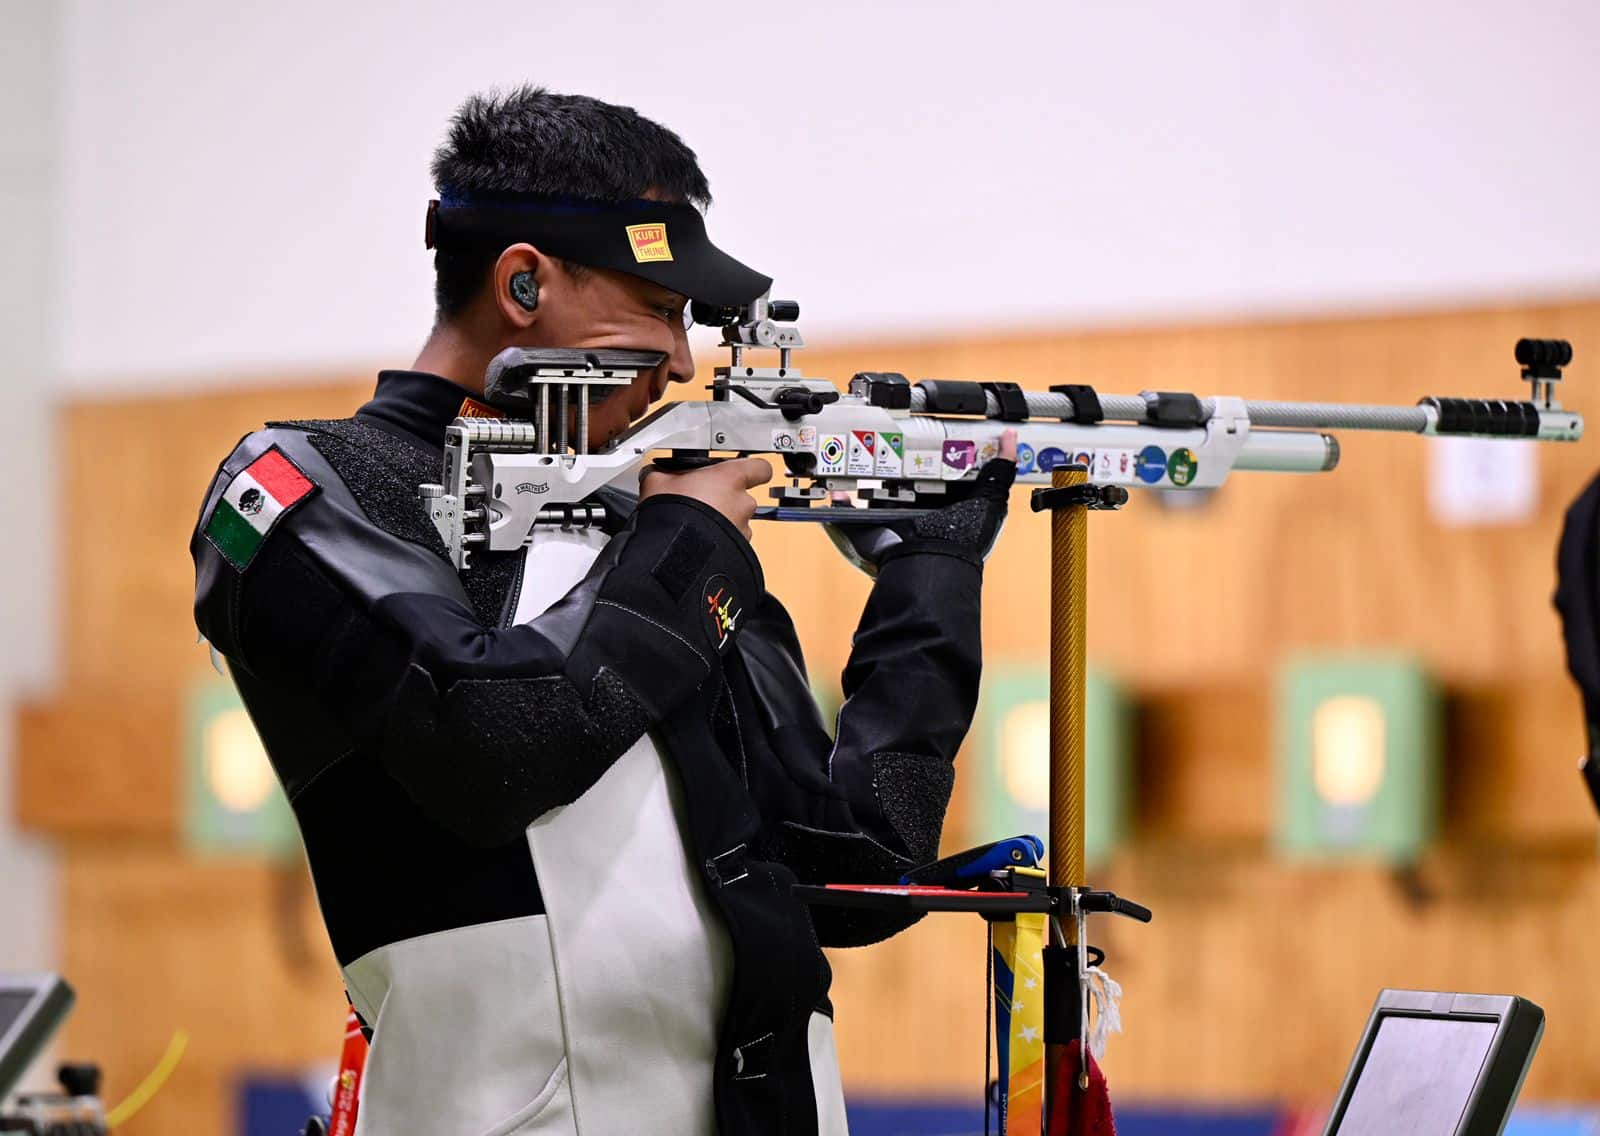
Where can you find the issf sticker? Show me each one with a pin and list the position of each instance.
(1024, 458)
(860, 461)
(958, 454)
(889, 457)
(1182, 467)
(830, 454)
(1152, 465)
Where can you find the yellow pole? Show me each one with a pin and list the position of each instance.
(1069, 540)
(1069, 561)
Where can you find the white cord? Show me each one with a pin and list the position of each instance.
(1107, 994)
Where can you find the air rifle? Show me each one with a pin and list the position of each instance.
(898, 447)
(903, 448)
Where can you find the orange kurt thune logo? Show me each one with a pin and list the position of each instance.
(649, 242)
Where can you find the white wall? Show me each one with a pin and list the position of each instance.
(244, 184)
(28, 134)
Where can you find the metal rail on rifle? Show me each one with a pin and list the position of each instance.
(897, 446)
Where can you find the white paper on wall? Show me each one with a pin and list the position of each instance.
(1482, 481)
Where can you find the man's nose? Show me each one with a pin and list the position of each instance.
(680, 364)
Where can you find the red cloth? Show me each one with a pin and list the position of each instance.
(1087, 1112)
(347, 1086)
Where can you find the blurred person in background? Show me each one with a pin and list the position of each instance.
(554, 804)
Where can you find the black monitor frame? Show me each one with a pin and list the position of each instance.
(1519, 1024)
(48, 1001)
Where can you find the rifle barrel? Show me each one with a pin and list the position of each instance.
(1555, 424)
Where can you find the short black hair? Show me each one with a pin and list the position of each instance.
(532, 140)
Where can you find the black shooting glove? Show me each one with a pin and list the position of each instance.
(966, 527)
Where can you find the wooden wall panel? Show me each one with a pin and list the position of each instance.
(107, 772)
(135, 471)
(1193, 610)
(232, 952)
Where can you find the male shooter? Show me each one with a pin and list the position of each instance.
(554, 804)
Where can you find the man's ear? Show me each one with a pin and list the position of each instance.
(521, 275)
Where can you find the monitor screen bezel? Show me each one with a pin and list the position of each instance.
(1519, 1024)
(50, 1001)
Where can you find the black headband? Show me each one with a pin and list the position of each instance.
(662, 242)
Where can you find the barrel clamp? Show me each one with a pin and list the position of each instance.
(1088, 495)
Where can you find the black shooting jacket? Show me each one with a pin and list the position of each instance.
(417, 732)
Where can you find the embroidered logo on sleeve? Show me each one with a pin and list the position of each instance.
(257, 498)
(722, 611)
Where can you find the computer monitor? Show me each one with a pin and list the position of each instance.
(1437, 1064)
(32, 1006)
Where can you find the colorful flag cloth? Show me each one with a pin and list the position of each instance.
(1075, 1111)
(255, 500)
(1019, 1021)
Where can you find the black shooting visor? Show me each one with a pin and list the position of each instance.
(661, 242)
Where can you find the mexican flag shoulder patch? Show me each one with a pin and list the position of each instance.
(259, 496)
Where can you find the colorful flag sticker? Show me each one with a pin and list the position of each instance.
(860, 461)
(257, 498)
(1182, 466)
(889, 455)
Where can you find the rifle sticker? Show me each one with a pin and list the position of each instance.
(808, 439)
(890, 455)
(1024, 458)
(784, 441)
(860, 463)
(1050, 457)
(1152, 465)
(1114, 467)
(988, 450)
(922, 463)
(958, 454)
(1182, 467)
(830, 455)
